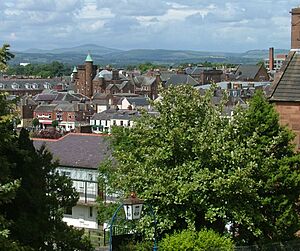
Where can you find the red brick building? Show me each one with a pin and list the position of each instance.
(83, 76)
(89, 80)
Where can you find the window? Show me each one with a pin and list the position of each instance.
(114, 122)
(121, 122)
(128, 122)
(91, 212)
(68, 210)
(66, 173)
(90, 177)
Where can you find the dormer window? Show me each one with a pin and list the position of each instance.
(35, 86)
(15, 85)
(27, 86)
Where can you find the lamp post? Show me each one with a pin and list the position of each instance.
(133, 209)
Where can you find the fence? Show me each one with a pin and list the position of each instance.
(274, 246)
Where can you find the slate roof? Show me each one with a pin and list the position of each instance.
(247, 71)
(100, 96)
(116, 114)
(45, 108)
(111, 86)
(138, 101)
(165, 75)
(44, 97)
(143, 80)
(66, 97)
(77, 149)
(197, 70)
(286, 86)
(66, 107)
(179, 79)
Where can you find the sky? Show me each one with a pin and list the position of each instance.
(210, 25)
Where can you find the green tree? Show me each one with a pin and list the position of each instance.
(40, 200)
(5, 56)
(54, 123)
(8, 185)
(35, 122)
(199, 168)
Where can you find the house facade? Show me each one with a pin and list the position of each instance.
(104, 121)
(79, 157)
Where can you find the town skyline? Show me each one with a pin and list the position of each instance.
(233, 26)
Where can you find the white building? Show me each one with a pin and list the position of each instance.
(80, 156)
(102, 122)
(134, 103)
(278, 62)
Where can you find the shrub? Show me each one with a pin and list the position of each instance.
(205, 240)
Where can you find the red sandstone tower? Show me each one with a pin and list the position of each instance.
(295, 29)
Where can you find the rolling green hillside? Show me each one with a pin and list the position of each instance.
(103, 55)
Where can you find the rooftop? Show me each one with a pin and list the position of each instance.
(77, 149)
(286, 86)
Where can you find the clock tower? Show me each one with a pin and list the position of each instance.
(295, 29)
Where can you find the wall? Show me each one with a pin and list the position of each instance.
(84, 214)
(262, 75)
(82, 218)
(289, 114)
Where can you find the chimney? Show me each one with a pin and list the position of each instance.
(271, 59)
(295, 29)
(115, 74)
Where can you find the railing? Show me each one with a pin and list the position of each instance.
(88, 191)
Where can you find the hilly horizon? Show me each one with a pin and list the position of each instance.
(105, 55)
(84, 49)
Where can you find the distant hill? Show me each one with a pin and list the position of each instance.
(262, 53)
(82, 49)
(103, 55)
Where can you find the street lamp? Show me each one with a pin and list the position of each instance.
(133, 209)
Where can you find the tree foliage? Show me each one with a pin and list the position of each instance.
(205, 240)
(55, 69)
(200, 168)
(5, 56)
(40, 200)
(55, 123)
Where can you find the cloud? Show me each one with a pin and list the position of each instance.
(134, 7)
(232, 25)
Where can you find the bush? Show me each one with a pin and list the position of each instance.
(205, 240)
(137, 246)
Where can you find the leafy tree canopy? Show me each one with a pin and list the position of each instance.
(55, 69)
(200, 168)
(5, 55)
